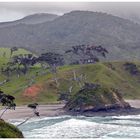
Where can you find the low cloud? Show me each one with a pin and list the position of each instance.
(16, 10)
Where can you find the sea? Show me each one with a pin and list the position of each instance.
(81, 127)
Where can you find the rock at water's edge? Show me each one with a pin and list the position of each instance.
(93, 97)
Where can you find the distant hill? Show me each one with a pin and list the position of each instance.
(38, 18)
(120, 36)
(31, 19)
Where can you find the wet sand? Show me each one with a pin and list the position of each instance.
(57, 109)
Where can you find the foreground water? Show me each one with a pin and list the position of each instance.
(82, 127)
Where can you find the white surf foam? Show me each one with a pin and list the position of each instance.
(83, 127)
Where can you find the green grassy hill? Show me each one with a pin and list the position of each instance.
(109, 74)
(5, 54)
(38, 85)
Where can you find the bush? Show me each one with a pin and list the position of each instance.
(9, 131)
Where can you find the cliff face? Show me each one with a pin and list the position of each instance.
(93, 97)
(9, 131)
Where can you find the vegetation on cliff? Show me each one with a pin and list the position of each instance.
(94, 97)
(9, 131)
(7, 102)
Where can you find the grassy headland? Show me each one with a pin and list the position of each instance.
(39, 86)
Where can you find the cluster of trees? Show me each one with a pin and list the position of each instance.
(87, 53)
(52, 59)
(20, 64)
(24, 61)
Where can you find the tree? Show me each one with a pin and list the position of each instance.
(7, 101)
(8, 69)
(24, 61)
(13, 49)
(53, 60)
(86, 53)
(35, 112)
(34, 108)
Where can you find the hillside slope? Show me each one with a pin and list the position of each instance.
(39, 85)
(9, 131)
(120, 36)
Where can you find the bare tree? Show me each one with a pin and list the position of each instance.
(35, 113)
(13, 49)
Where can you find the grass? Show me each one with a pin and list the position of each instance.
(103, 74)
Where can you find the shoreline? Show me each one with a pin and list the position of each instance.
(22, 112)
(52, 110)
(113, 112)
(134, 110)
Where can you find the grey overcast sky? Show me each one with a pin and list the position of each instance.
(15, 10)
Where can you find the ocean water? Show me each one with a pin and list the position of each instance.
(81, 127)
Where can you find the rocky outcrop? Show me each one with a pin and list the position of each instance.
(94, 97)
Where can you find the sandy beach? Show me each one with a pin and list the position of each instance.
(52, 110)
(134, 103)
(24, 111)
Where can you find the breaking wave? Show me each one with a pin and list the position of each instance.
(82, 127)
